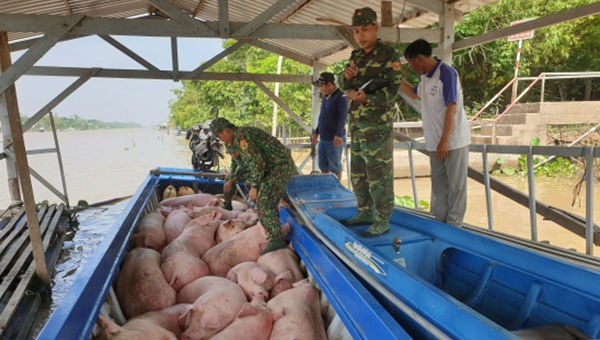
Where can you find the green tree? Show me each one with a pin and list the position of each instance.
(241, 102)
(569, 46)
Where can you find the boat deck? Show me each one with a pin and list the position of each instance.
(20, 290)
(448, 274)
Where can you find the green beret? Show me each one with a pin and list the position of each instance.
(219, 125)
(364, 16)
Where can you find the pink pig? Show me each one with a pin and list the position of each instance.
(301, 309)
(150, 232)
(215, 307)
(279, 262)
(225, 214)
(141, 286)
(196, 237)
(243, 247)
(162, 324)
(256, 281)
(253, 322)
(249, 216)
(229, 228)
(194, 289)
(175, 222)
(181, 268)
(196, 200)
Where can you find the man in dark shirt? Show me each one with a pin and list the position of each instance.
(331, 131)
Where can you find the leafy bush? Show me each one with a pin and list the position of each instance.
(558, 166)
(408, 202)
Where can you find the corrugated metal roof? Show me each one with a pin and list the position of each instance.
(405, 14)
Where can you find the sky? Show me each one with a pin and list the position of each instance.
(122, 100)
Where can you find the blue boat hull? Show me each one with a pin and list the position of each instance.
(446, 282)
(74, 318)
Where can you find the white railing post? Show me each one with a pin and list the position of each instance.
(543, 90)
(589, 201)
(531, 185)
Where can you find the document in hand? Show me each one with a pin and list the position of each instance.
(374, 85)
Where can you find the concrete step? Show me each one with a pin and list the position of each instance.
(501, 130)
(481, 139)
(514, 118)
(508, 140)
(525, 107)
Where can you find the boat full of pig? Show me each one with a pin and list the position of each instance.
(185, 268)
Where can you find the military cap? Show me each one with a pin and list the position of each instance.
(364, 16)
(219, 125)
(324, 78)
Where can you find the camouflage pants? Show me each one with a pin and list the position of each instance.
(270, 191)
(371, 157)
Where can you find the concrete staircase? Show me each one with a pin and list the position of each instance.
(525, 121)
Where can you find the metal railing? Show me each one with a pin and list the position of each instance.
(588, 153)
(542, 78)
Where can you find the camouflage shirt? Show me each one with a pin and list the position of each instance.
(238, 170)
(381, 64)
(261, 153)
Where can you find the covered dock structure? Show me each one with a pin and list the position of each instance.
(312, 32)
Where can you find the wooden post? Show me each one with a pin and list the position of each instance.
(11, 166)
(16, 131)
(447, 30)
(387, 19)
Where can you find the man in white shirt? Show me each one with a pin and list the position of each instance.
(447, 135)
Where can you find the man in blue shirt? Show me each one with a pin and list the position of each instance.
(331, 130)
(447, 135)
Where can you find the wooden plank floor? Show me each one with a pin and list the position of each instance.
(17, 268)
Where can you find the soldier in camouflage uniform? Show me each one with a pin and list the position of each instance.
(370, 122)
(270, 166)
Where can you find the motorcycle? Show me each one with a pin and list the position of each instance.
(207, 149)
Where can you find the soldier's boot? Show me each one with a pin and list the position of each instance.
(364, 217)
(376, 229)
(274, 245)
(227, 205)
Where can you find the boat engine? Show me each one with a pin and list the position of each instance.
(206, 148)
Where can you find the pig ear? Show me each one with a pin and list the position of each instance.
(107, 325)
(232, 276)
(301, 283)
(216, 215)
(247, 310)
(287, 275)
(187, 316)
(165, 210)
(189, 210)
(215, 202)
(258, 275)
(262, 245)
(278, 314)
